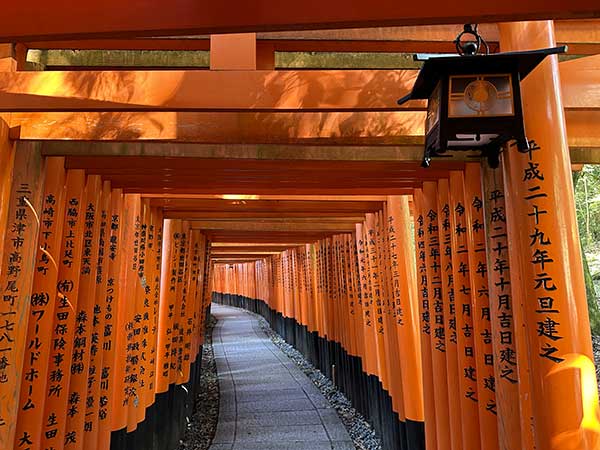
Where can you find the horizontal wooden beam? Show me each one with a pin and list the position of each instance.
(248, 254)
(288, 238)
(302, 221)
(168, 199)
(400, 128)
(144, 174)
(132, 165)
(55, 49)
(178, 90)
(265, 190)
(246, 245)
(251, 227)
(256, 249)
(335, 128)
(566, 31)
(204, 215)
(234, 151)
(580, 80)
(143, 44)
(43, 20)
(582, 37)
(266, 91)
(228, 261)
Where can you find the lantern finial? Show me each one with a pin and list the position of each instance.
(469, 41)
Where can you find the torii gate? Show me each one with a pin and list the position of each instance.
(149, 129)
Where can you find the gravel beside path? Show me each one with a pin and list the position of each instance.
(203, 423)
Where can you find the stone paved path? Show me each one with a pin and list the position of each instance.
(267, 403)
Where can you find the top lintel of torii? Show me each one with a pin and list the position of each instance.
(52, 20)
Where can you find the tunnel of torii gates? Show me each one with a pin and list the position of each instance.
(448, 303)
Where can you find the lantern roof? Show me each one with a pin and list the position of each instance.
(436, 67)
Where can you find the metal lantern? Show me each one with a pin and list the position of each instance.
(474, 101)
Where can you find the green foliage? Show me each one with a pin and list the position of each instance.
(587, 200)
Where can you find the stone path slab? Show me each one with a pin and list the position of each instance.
(266, 402)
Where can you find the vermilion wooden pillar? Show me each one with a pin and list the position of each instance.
(425, 321)
(111, 319)
(33, 389)
(436, 308)
(79, 363)
(564, 389)
(404, 290)
(448, 298)
(370, 361)
(512, 381)
(91, 428)
(465, 315)
(480, 295)
(63, 333)
(20, 238)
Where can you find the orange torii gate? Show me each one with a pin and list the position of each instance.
(494, 256)
(469, 334)
(84, 235)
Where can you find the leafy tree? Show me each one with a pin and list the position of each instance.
(587, 199)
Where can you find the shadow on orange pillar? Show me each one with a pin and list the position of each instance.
(425, 323)
(405, 302)
(43, 298)
(563, 389)
(20, 240)
(389, 316)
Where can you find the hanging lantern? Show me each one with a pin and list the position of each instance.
(474, 100)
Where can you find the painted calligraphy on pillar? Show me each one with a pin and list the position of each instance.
(435, 281)
(498, 259)
(422, 274)
(364, 280)
(465, 313)
(108, 351)
(447, 275)
(377, 275)
(481, 302)
(18, 232)
(396, 278)
(541, 258)
(59, 402)
(97, 325)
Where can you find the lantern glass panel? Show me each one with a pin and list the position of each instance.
(433, 108)
(480, 96)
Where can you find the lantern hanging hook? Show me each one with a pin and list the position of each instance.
(469, 42)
